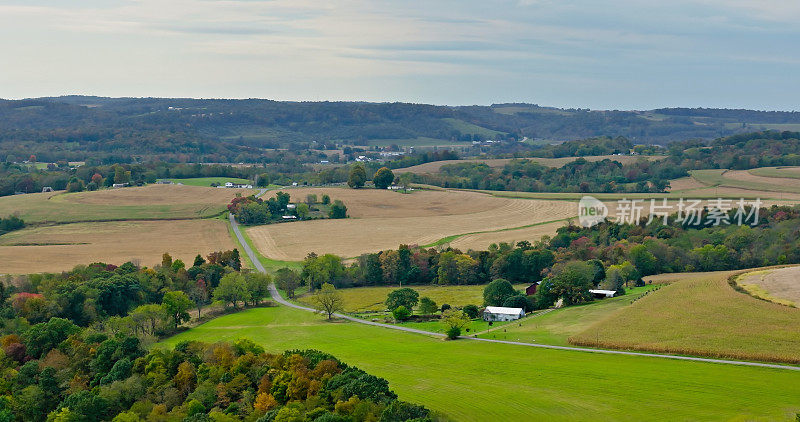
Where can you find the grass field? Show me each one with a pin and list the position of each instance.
(207, 181)
(780, 285)
(470, 380)
(701, 314)
(61, 247)
(436, 166)
(777, 172)
(744, 179)
(136, 203)
(382, 219)
(556, 327)
(362, 299)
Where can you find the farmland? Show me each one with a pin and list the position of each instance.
(556, 327)
(208, 181)
(701, 314)
(382, 220)
(525, 383)
(780, 285)
(743, 179)
(782, 172)
(436, 166)
(372, 298)
(150, 202)
(61, 247)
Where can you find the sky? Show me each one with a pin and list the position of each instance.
(616, 54)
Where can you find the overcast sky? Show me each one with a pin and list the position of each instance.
(621, 54)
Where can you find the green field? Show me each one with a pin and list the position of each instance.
(466, 127)
(363, 299)
(207, 181)
(556, 327)
(471, 380)
(37, 208)
(701, 314)
(779, 172)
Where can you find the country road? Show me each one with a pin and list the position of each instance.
(276, 296)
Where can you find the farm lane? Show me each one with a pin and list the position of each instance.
(278, 298)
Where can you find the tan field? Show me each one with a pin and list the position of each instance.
(780, 285)
(383, 220)
(481, 241)
(61, 247)
(436, 166)
(134, 203)
(701, 314)
(685, 183)
(780, 184)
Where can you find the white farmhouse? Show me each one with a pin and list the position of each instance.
(499, 313)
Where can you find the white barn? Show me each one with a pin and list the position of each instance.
(600, 294)
(499, 313)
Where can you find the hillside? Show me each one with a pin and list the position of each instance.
(216, 130)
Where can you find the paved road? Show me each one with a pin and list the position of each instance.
(278, 298)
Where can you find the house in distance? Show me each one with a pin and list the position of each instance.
(500, 313)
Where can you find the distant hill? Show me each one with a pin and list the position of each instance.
(176, 129)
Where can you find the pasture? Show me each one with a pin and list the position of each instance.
(61, 247)
(701, 314)
(743, 179)
(780, 285)
(362, 299)
(779, 172)
(557, 326)
(436, 166)
(151, 202)
(472, 380)
(381, 219)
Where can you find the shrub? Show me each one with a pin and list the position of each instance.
(401, 313)
(453, 333)
(472, 311)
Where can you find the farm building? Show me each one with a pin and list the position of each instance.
(531, 290)
(47, 189)
(499, 313)
(238, 185)
(600, 294)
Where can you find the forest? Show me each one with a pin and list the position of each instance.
(126, 130)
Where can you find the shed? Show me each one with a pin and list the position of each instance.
(600, 294)
(531, 290)
(500, 313)
(47, 189)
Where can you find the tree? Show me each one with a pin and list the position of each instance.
(232, 288)
(338, 210)
(496, 292)
(383, 178)
(176, 304)
(644, 261)
(518, 301)
(311, 199)
(401, 313)
(472, 311)
(326, 199)
(302, 211)
(287, 280)
(42, 337)
(75, 185)
(402, 297)
(327, 300)
(427, 306)
(405, 180)
(358, 177)
(573, 281)
(97, 178)
(454, 320)
(257, 286)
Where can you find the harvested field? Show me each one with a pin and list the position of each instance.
(684, 184)
(436, 166)
(481, 241)
(61, 247)
(780, 285)
(701, 314)
(135, 203)
(371, 203)
(743, 179)
(419, 218)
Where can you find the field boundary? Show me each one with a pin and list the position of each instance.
(276, 296)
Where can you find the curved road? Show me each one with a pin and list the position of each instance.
(278, 298)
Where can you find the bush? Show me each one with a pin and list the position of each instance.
(401, 313)
(472, 311)
(453, 332)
